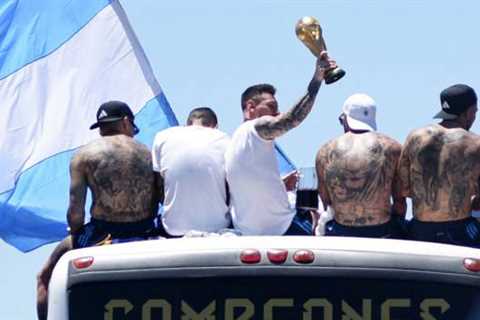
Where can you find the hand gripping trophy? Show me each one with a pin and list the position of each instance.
(308, 30)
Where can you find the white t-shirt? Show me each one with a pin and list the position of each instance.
(191, 161)
(259, 198)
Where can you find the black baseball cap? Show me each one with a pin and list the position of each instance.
(114, 111)
(455, 100)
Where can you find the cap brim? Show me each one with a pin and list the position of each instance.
(445, 116)
(98, 123)
(359, 125)
(135, 128)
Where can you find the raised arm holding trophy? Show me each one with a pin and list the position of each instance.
(308, 30)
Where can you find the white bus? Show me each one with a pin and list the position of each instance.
(290, 277)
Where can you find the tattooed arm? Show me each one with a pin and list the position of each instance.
(475, 203)
(270, 128)
(475, 200)
(403, 170)
(159, 191)
(78, 193)
(320, 168)
(399, 205)
(159, 183)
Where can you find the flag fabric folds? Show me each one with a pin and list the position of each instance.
(59, 60)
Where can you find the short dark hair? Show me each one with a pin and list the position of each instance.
(256, 90)
(207, 117)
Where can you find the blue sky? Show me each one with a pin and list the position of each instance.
(206, 53)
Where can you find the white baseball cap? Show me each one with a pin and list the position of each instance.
(360, 111)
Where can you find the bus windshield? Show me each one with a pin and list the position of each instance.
(273, 297)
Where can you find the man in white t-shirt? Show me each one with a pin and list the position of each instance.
(259, 196)
(190, 160)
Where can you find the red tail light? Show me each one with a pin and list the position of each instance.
(83, 262)
(471, 264)
(304, 256)
(277, 256)
(250, 256)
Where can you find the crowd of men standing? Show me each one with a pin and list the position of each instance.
(208, 182)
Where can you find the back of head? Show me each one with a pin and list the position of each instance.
(359, 112)
(456, 100)
(256, 90)
(110, 116)
(202, 116)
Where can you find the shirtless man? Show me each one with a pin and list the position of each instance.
(357, 176)
(118, 171)
(440, 171)
(259, 196)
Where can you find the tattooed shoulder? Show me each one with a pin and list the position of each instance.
(415, 140)
(142, 150)
(325, 150)
(84, 155)
(77, 158)
(358, 174)
(393, 148)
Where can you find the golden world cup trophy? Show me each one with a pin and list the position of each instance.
(308, 30)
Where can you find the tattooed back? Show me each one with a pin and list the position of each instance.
(356, 175)
(119, 173)
(439, 170)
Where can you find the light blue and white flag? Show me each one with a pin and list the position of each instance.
(285, 165)
(59, 60)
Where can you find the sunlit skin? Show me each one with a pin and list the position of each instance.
(130, 196)
(357, 178)
(439, 169)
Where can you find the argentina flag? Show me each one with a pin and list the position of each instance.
(59, 60)
(285, 165)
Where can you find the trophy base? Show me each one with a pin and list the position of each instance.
(334, 75)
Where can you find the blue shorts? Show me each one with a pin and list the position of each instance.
(465, 232)
(100, 232)
(392, 229)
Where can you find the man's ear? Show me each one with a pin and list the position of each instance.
(249, 110)
(125, 125)
(125, 121)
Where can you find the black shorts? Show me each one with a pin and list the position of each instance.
(465, 232)
(392, 229)
(100, 232)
